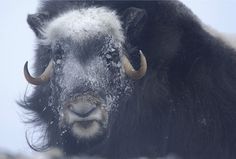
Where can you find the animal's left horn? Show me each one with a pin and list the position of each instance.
(44, 77)
(130, 71)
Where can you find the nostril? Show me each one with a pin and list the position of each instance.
(83, 114)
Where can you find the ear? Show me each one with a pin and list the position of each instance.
(134, 21)
(36, 22)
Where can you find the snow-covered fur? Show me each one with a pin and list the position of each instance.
(82, 24)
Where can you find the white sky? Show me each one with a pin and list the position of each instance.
(17, 44)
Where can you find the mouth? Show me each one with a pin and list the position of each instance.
(87, 129)
(85, 117)
(85, 124)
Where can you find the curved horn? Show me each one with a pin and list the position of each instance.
(130, 71)
(44, 77)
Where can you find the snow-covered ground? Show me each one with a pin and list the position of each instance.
(56, 154)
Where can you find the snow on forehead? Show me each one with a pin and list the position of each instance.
(83, 24)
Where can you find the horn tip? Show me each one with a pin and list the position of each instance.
(26, 67)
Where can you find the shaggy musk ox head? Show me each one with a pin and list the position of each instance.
(84, 71)
(95, 93)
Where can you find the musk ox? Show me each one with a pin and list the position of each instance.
(123, 79)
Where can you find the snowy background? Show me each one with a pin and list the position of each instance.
(17, 46)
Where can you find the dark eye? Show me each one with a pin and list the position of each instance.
(58, 52)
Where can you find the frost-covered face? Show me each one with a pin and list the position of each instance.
(88, 78)
(89, 82)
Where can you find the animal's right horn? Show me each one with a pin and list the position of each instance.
(44, 77)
